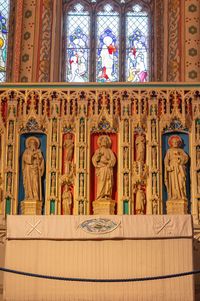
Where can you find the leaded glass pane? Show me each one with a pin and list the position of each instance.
(4, 18)
(137, 44)
(78, 40)
(107, 68)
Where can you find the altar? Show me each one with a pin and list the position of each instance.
(99, 247)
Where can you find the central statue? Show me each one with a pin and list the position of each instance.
(104, 160)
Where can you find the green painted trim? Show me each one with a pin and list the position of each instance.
(52, 207)
(8, 205)
(125, 207)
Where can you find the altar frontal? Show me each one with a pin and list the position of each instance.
(99, 247)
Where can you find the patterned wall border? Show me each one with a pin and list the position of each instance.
(11, 44)
(192, 40)
(27, 50)
(173, 72)
(43, 72)
(159, 41)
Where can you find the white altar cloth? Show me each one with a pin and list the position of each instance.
(72, 246)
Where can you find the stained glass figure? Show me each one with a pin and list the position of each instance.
(137, 42)
(107, 68)
(77, 39)
(4, 17)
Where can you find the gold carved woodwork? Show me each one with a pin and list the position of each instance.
(137, 116)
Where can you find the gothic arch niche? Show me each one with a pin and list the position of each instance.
(119, 46)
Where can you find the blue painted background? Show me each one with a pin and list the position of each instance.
(42, 138)
(185, 147)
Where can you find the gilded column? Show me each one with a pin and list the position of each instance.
(124, 191)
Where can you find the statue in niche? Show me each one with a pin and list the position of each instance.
(140, 148)
(153, 130)
(126, 184)
(69, 147)
(33, 169)
(9, 182)
(53, 157)
(175, 169)
(154, 206)
(81, 208)
(67, 200)
(140, 200)
(82, 131)
(54, 130)
(81, 157)
(126, 131)
(154, 157)
(125, 157)
(81, 184)
(10, 156)
(53, 183)
(198, 157)
(154, 184)
(11, 130)
(198, 182)
(104, 160)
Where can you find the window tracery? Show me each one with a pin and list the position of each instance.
(107, 41)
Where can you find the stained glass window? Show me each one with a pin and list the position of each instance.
(78, 41)
(4, 17)
(107, 68)
(137, 40)
(107, 41)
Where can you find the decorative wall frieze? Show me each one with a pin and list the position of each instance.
(45, 41)
(173, 73)
(192, 40)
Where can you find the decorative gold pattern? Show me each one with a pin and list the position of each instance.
(174, 36)
(69, 117)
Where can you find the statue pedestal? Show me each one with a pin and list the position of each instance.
(103, 206)
(31, 207)
(177, 207)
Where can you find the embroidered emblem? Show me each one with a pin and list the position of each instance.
(99, 225)
(33, 228)
(163, 226)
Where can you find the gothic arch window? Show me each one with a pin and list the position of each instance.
(107, 41)
(4, 20)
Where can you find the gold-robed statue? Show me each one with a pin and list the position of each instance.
(33, 169)
(140, 200)
(175, 170)
(104, 160)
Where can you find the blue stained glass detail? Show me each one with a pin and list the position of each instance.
(77, 58)
(4, 16)
(137, 45)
